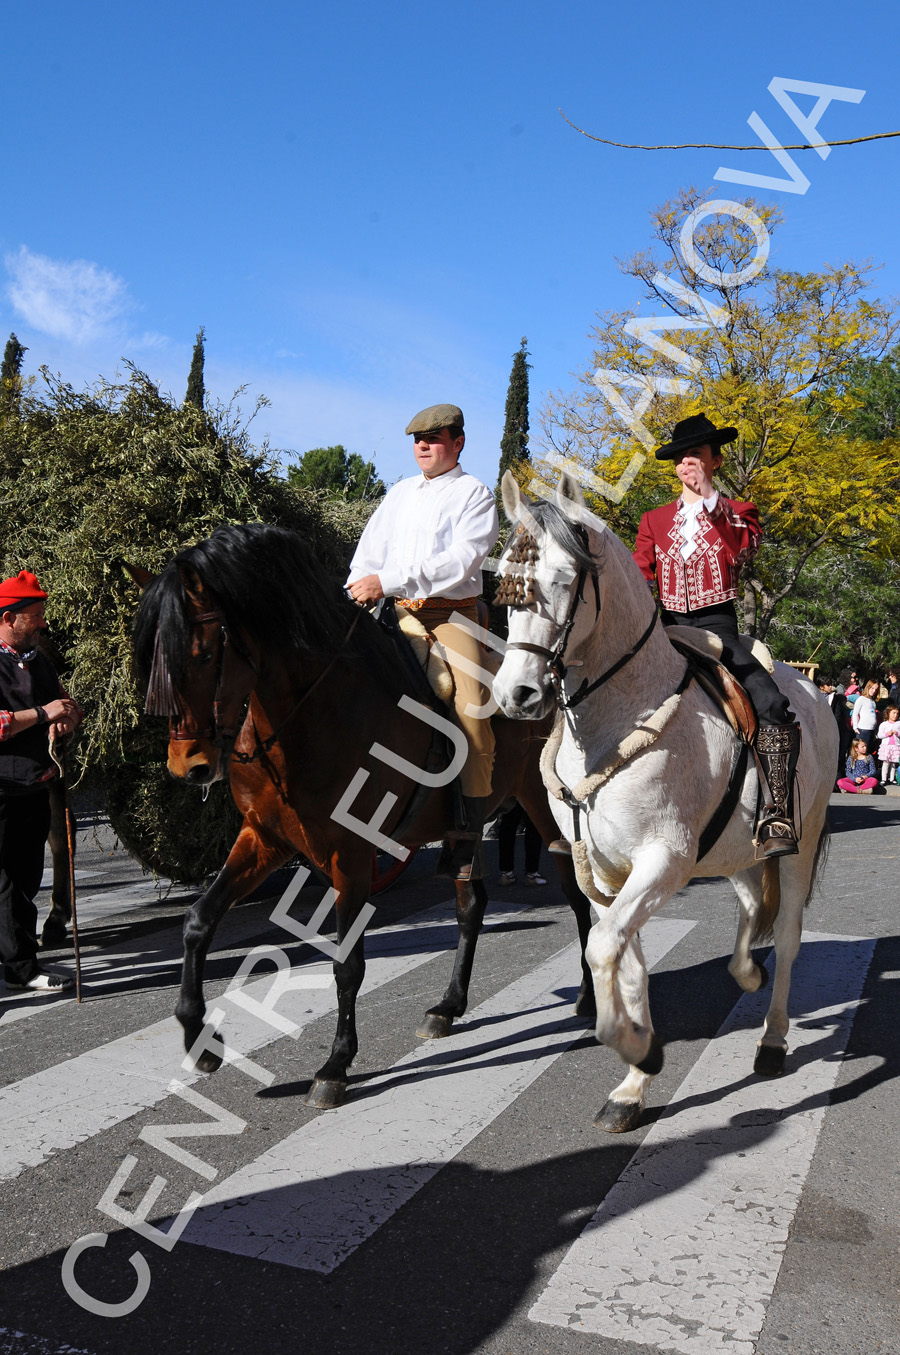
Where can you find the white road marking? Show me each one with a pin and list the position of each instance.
(684, 1252)
(52, 1110)
(47, 877)
(312, 1199)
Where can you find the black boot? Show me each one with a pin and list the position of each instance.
(461, 856)
(777, 751)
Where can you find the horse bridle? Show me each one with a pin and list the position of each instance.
(555, 657)
(223, 737)
(220, 735)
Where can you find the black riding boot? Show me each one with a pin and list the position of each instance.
(461, 855)
(777, 749)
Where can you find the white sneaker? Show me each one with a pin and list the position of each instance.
(507, 877)
(46, 981)
(534, 878)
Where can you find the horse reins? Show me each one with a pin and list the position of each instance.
(266, 745)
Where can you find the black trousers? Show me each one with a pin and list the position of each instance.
(772, 706)
(24, 825)
(506, 840)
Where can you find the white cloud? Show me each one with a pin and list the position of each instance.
(77, 301)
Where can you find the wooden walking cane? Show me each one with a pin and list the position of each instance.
(58, 753)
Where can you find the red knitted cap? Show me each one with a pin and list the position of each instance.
(20, 591)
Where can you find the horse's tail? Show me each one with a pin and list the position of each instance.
(771, 887)
(771, 902)
(820, 859)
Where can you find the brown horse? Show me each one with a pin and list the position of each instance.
(251, 616)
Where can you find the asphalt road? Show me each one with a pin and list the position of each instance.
(462, 1200)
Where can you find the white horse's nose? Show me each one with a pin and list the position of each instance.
(524, 701)
(527, 699)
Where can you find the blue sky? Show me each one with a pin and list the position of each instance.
(368, 205)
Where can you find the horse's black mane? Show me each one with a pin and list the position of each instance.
(267, 583)
(551, 519)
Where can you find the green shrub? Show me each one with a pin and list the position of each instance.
(89, 479)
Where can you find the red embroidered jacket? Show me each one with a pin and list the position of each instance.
(726, 539)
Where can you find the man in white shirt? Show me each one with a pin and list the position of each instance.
(424, 546)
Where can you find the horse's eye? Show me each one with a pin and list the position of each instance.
(204, 656)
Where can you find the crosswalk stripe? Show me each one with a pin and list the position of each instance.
(313, 1198)
(685, 1250)
(55, 1109)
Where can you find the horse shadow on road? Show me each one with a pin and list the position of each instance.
(457, 1264)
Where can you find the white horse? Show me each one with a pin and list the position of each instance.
(647, 768)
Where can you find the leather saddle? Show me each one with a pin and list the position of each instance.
(702, 650)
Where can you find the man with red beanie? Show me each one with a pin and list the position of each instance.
(33, 707)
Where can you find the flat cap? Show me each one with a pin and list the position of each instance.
(435, 416)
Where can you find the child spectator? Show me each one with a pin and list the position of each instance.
(889, 748)
(861, 777)
(864, 718)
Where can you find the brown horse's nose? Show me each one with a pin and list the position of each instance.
(198, 774)
(197, 763)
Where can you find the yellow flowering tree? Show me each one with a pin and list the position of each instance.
(777, 354)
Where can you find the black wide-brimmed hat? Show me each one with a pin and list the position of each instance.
(697, 431)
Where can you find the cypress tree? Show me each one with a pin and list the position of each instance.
(196, 391)
(11, 372)
(514, 443)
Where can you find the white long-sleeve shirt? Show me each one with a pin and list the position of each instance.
(428, 538)
(863, 715)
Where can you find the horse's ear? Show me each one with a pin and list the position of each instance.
(512, 496)
(568, 493)
(138, 574)
(194, 587)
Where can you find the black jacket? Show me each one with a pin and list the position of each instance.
(25, 758)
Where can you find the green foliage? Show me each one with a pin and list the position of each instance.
(514, 443)
(844, 610)
(117, 472)
(196, 391)
(874, 385)
(11, 374)
(335, 471)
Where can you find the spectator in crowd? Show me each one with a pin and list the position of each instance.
(846, 692)
(861, 777)
(33, 709)
(889, 747)
(506, 838)
(864, 716)
(893, 695)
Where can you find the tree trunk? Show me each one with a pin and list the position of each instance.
(750, 605)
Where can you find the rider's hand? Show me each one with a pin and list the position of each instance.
(692, 474)
(367, 589)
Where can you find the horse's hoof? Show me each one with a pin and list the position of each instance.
(208, 1062)
(53, 935)
(769, 1061)
(652, 1062)
(619, 1117)
(586, 1005)
(763, 977)
(326, 1094)
(435, 1026)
